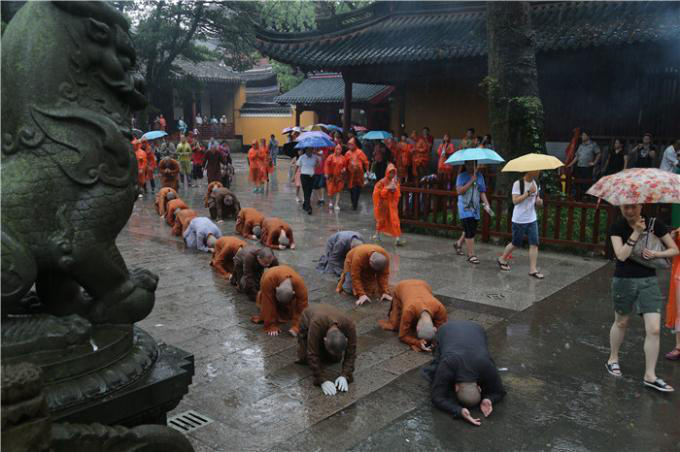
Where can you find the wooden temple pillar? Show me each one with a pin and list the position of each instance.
(298, 113)
(347, 103)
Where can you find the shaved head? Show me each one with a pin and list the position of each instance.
(335, 341)
(424, 328)
(468, 394)
(257, 231)
(228, 200)
(377, 261)
(285, 292)
(215, 187)
(265, 256)
(171, 195)
(283, 238)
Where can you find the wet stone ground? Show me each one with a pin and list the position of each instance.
(551, 335)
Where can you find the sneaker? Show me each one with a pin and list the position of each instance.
(298, 200)
(337, 207)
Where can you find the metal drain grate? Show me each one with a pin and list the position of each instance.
(189, 421)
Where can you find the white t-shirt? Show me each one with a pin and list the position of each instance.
(525, 211)
(307, 163)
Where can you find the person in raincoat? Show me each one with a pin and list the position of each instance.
(335, 169)
(357, 165)
(386, 195)
(255, 168)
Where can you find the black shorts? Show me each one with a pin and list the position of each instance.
(319, 181)
(469, 227)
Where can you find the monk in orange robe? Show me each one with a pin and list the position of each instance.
(276, 233)
(386, 194)
(366, 273)
(141, 166)
(445, 150)
(335, 169)
(150, 165)
(415, 313)
(403, 157)
(357, 165)
(208, 192)
(282, 298)
(249, 222)
(223, 257)
(170, 210)
(168, 169)
(182, 219)
(165, 195)
(421, 156)
(255, 175)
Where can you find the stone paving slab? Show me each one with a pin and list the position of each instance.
(248, 382)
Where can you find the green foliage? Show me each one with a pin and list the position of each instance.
(287, 16)
(288, 77)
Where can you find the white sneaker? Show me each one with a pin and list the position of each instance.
(297, 199)
(337, 207)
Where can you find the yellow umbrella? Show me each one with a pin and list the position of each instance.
(532, 162)
(315, 128)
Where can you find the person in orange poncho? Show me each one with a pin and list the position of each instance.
(402, 157)
(150, 165)
(223, 257)
(170, 210)
(165, 195)
(255, 173)
(335, 169)
(386, 195)
(357, 165)
(415, 313)
(182, 219)
(421, 156)
(445, 150)
(169, 168)
(392, 146)
(247, 221)
(282, 298)
(141, 166)
(266, 162)
(673, 306)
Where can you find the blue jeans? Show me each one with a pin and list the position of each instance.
(273, 155)
(520, 230)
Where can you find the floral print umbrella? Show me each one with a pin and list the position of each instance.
(638, 186)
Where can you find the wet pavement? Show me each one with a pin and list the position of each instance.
(560, 396)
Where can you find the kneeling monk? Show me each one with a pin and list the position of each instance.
(223, 204)
(415, 313)
(164, 195)
(276, 233)
(168, 168)
(249, 264)
(202, 234)
(462, 371)
(182, 219)
(208, 192)
(170, 209)
(366, 272)
(386, 194)
(223, 256)
(246, 221)
(337, 247)
(282, 298)
(326, 333)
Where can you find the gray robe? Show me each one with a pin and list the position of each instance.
(337, 247)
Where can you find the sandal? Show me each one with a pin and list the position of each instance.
(473, 260)
(537, 275)
(673, 355)
(459, 249)
(503, 266)
(614, 369)
(659, 385)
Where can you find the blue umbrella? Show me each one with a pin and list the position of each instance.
(316, 133)
(314, 142)
(376, 135)
(481, 155)
(332, 127)
(154, 135)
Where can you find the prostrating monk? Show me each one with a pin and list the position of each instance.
(403, 157)
(140, 154)
(170, 209)
(282, 298)
(335, 169)
(223, 256)
(223, 204)
(357, 165)
(208, 192)
(366, 272)
(337, 247)
(168, 169)
(249, 264)
(247, 221)
(164, 195)
(462, 371)
(182, 219)
(277, 234)
(386, 195)
(255, 173)
(421, 157)
(202, 234)
(415, 313)
(326, 333)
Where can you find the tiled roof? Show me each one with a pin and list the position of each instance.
(209, 71)
(389, 32)
(330, 88)
(264, 108)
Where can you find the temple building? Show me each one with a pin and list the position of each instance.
(611, 67)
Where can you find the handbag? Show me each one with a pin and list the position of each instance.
(650, 241)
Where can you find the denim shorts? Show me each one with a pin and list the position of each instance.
(319, 181)
(520, 230)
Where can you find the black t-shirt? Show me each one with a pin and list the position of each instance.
(630, 268)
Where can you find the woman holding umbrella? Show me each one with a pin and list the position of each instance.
(635, 287)
(470, 187)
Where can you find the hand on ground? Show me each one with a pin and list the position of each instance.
(386, 297)
(220, 221)
(363, 299)
(328, 388)
(487, 407)
(273, 331)
(465, 414)
(424, 347)
(342, 384)
(292, 246)
(294, 331)
(282, 247)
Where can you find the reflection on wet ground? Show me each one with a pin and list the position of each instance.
(261, 400)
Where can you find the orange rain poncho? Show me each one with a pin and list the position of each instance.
(141, 162)
(386, 203)
(421, 154)
(335, 169)
(444, 152)
(672, 306)
(357, 165)
(265, 160)
(255, 174)
(150, 160)
(403, 157)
